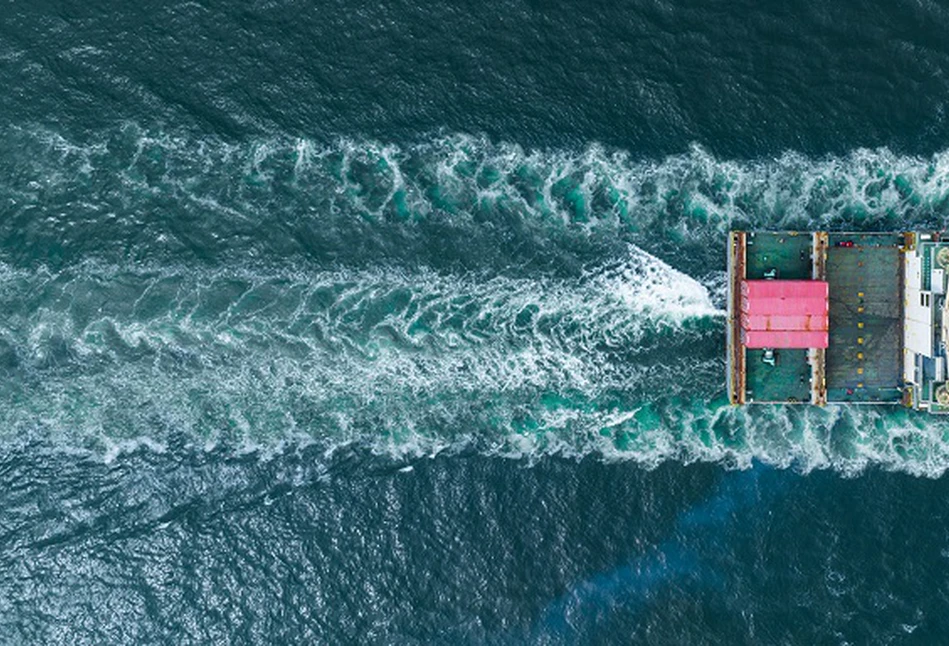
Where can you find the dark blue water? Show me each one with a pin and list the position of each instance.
(385, 324)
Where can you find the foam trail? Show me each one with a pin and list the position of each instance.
(335, 356)
(452, 202)
(435, 294)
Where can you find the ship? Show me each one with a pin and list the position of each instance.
(818, 318)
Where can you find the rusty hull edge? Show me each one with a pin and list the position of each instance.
(735, 351)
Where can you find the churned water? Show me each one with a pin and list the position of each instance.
(392, 323)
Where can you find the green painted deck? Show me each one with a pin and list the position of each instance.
(787, 380)
(787, 253)
(863, 362)
(783, 256)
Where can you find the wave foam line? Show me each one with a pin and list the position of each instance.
(112, 352)
(457, 200)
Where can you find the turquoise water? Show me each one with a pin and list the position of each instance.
(365, 324)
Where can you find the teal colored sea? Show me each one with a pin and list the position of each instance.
(355, 323)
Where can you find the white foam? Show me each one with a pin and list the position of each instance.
(422, 378)
(114, 449)
(648, 285)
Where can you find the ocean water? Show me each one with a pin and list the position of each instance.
(362, 323)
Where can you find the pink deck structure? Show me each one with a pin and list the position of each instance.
(784, 314)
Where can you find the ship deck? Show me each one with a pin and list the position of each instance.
(862, 363)
(784, 256)
(788, 380)
(787, 255)
(863, 359)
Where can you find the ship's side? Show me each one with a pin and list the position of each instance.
(819, 317)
